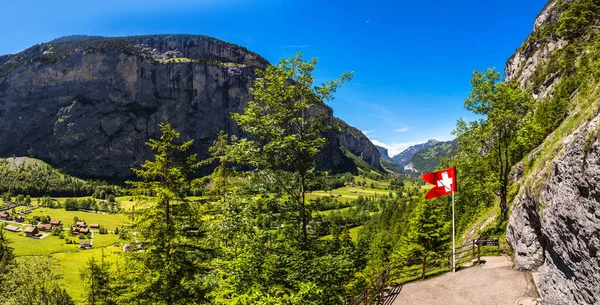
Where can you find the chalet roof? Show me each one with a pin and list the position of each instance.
(55, 222)
(45, 226)
(83, 230)
(94, 225)
(3, 214)
(81, 224)
(30, 229)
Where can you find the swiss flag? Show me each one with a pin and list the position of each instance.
(444, 181)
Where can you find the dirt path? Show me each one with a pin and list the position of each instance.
(492, 283)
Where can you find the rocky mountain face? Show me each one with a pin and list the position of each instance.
(403, 157)
(554, 226)
(383, 153)
(357, 143)
(87, 105)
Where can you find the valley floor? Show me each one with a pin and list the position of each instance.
(492, 283)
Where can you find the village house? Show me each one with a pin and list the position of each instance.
(37, 218)
(94, 226)
(85, 245)
(84, 230)
(4, 215)
(32, 232)
(55, 223)
(20, 219)
(12, 228)
(45, 227)
(81, 224)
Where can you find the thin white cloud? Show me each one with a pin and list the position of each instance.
(367, 132)
(403, 129)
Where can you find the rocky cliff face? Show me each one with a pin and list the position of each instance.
(87, 105)
(557, 229)
(357, 143)
(554, 226)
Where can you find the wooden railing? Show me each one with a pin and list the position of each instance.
(428, 265)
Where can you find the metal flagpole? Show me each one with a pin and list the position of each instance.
(453, 246)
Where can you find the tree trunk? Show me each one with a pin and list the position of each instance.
(303, 209)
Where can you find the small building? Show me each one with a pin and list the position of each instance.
(12, 228)
(84, 230)
(81, 224)
(55, 222)
(44, 227)
(20, 219)
(31, 231)
(94, 226)
(4, 215)
(37, 218)
(85, 245)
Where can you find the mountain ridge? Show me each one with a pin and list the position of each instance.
(86, 105)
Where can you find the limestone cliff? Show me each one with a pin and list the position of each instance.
(554, 226)
(87, 104)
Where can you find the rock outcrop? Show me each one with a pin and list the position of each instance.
(554, 225)
(557, 230)
(87, 105)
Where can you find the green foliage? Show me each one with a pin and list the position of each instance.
(577, 17)
(171, 267)
(33, 281)
(97, 280)
(493, 142)
(286, 135)
(6, 253)
(287, 264)
(428, 231)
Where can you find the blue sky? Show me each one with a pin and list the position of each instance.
(412, 59)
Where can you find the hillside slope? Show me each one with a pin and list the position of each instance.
(554, 226)
(87, 105)
(428, 160)
(22, 175)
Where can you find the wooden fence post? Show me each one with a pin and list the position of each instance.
(424, 266)
(498, 241)
(479, 252)
(383, 284)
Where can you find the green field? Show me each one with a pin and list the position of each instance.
(24, 246)
(109, 221)
(71, 264)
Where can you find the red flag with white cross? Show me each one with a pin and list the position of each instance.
(444, 182)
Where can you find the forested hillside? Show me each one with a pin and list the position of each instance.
(429, 159)
(34, 177)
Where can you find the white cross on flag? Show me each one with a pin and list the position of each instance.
(444, 182)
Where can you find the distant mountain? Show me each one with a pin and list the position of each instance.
(405, 156)
(386, 161)
(428, 160)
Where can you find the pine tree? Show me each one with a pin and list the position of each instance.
(168, 226)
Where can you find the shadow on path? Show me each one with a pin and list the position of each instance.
(392, 295)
